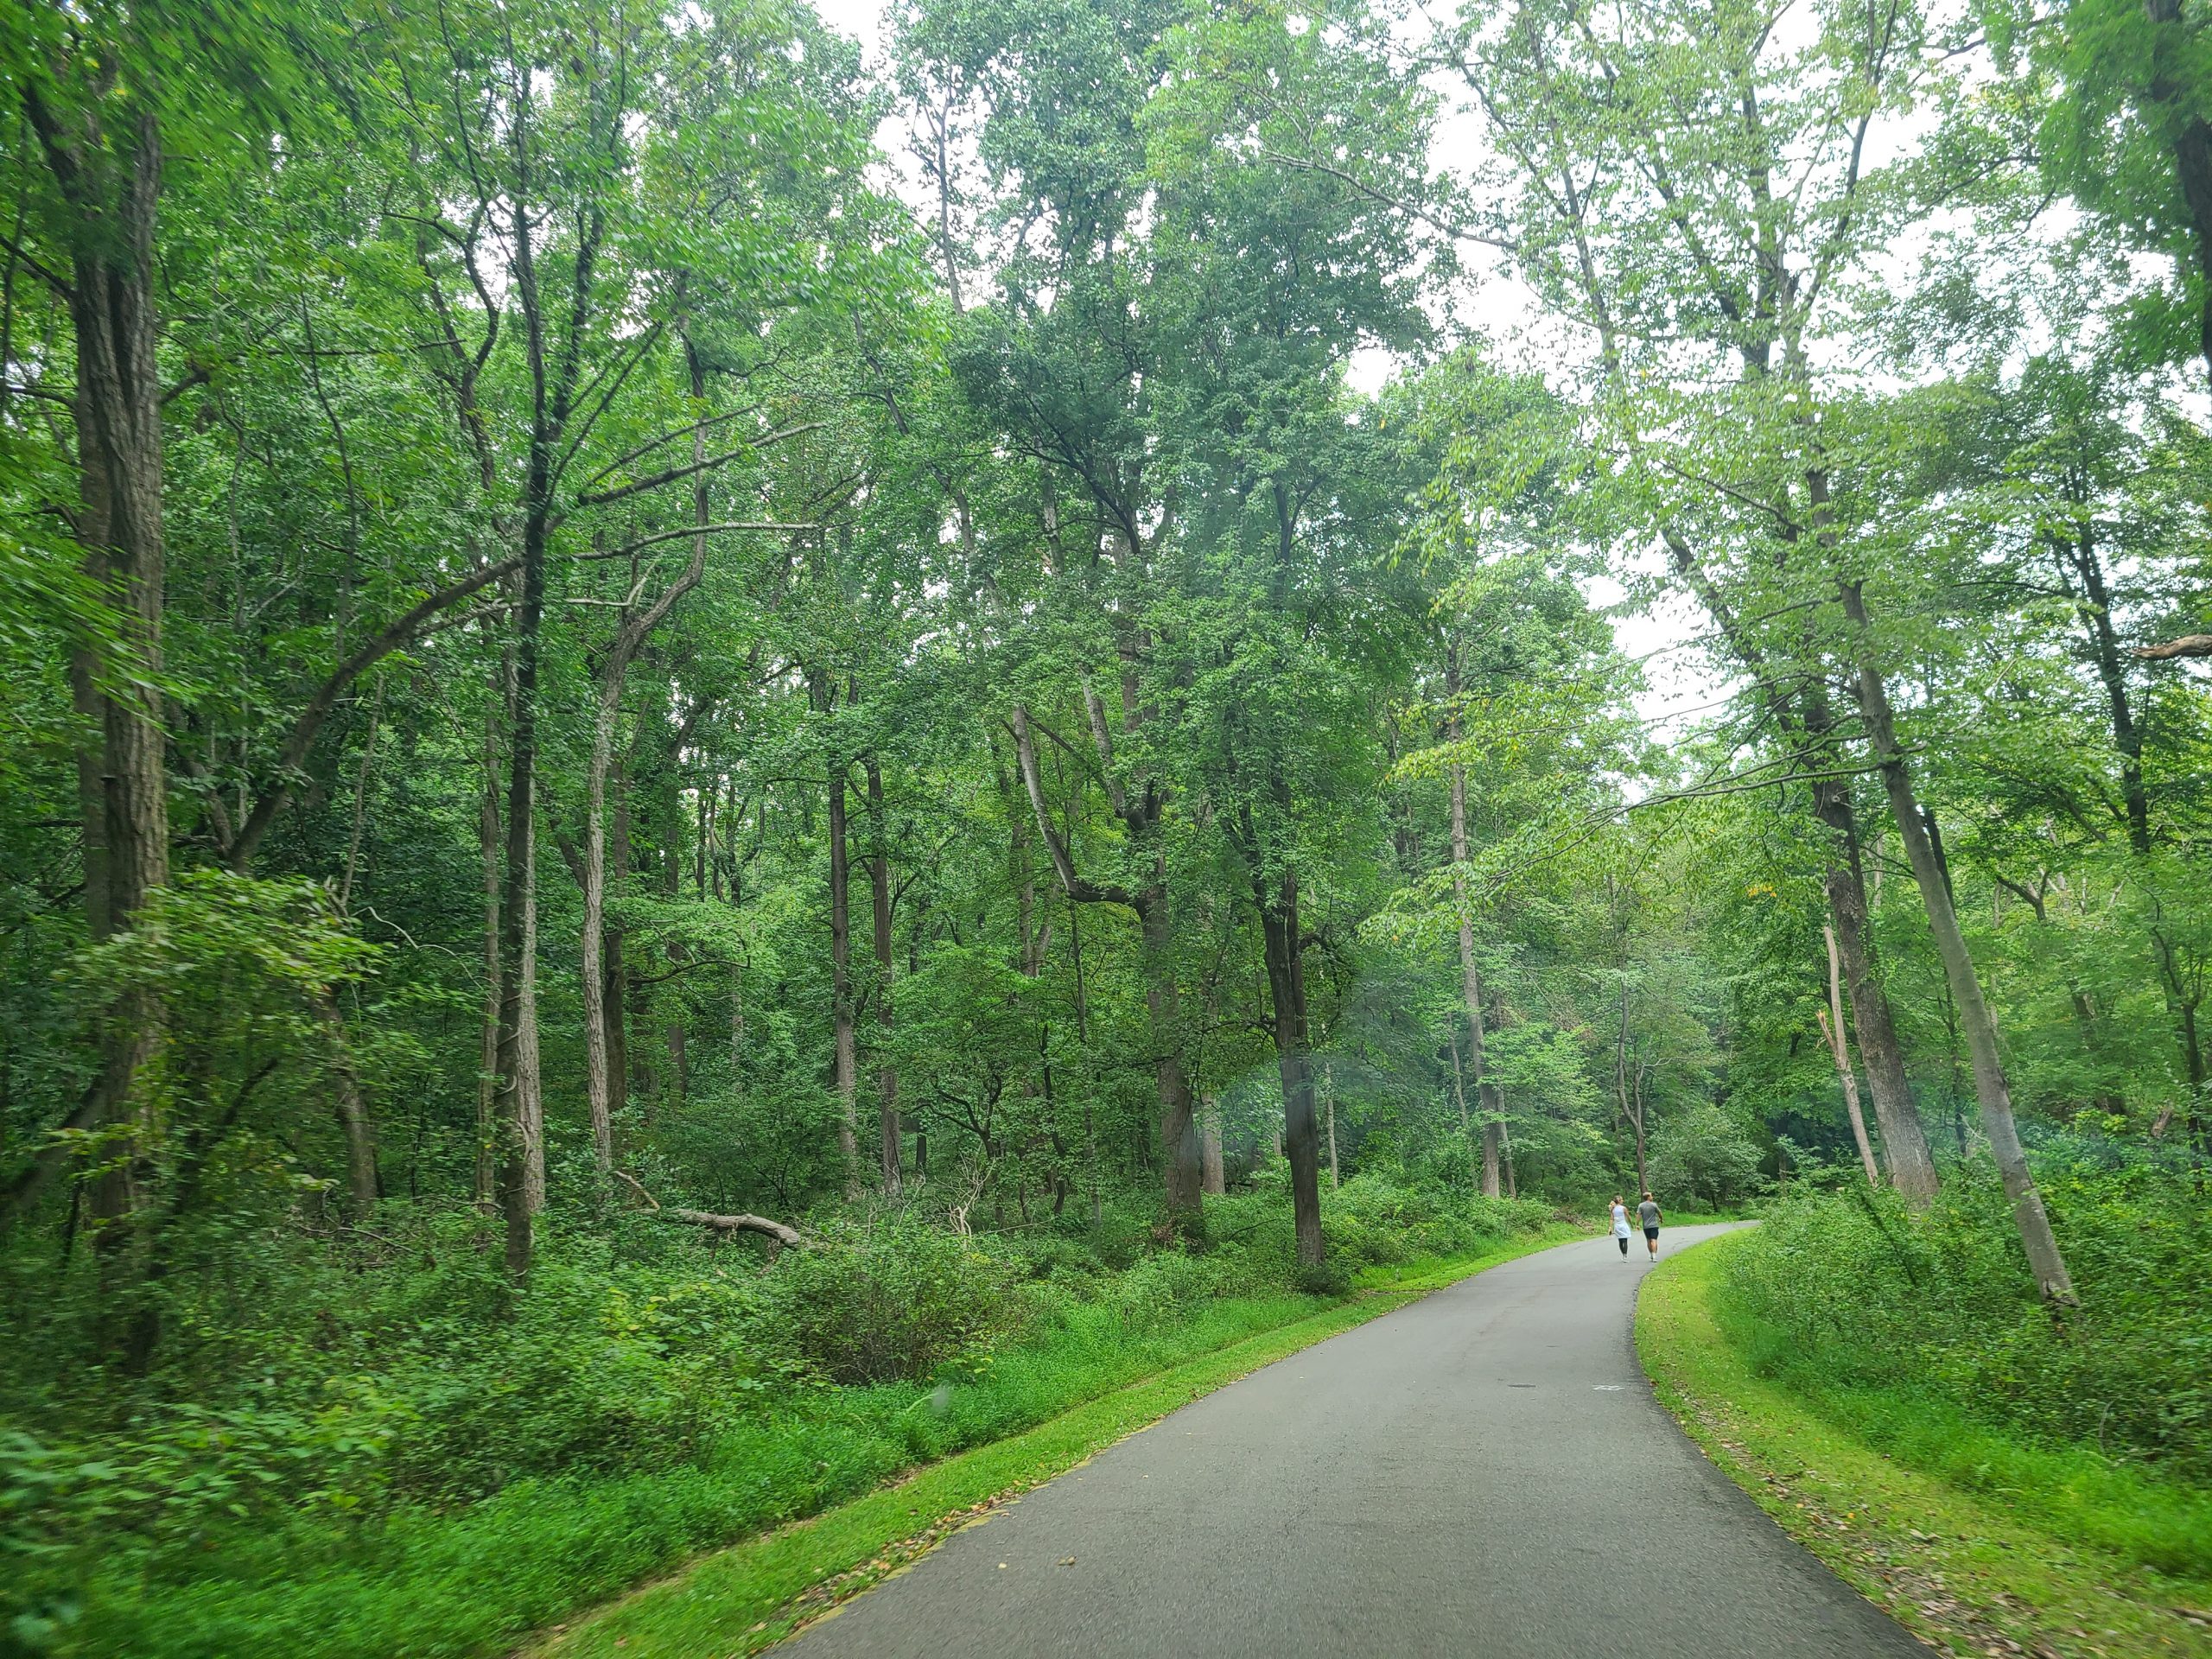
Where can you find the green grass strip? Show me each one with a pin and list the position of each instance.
(1975, 1570)
(741, 1600)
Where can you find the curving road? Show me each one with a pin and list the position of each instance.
(1484, 1473)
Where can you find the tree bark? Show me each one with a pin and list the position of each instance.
(2189, 139)
(517, 896)
(487, 1070)
(844, 1056)
(112, 187)
(1329, 1117)
(1991, 1090)
(1631, 1100)
(1278, 931)
(1832, 1032)
(1471, 979)
(886, 1075)
(351, 1111)
(1209, 1149)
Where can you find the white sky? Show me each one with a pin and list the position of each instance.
(1499, 308)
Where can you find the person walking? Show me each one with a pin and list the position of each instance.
(1620, 1224)
(1648, 1213)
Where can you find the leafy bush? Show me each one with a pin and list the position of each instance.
(1850, 1287)
(888, 1299)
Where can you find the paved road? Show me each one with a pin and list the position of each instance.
(1484, 1473)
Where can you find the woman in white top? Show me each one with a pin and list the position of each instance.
(1620, 1224)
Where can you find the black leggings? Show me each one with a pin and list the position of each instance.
(1624, 1247)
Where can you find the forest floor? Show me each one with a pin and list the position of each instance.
(750, 1595)
(1962, 1569)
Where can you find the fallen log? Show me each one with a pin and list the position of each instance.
(723, 1225)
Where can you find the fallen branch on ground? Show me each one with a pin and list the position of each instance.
(724, 1225)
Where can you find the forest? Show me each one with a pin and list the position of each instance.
(710, 738)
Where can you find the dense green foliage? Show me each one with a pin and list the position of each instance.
(392, 1482)
(701, 730)
(1850, 1289)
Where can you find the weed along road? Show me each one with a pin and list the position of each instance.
(1484, 1473)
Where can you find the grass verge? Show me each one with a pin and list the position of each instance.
(1978, 1544)
(741, 1600)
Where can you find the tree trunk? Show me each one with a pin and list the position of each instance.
(1471, 979)
(1831, 1032)
(1183, 1180)
(2192, 148)
(1631, 1100)
(1301, 1128)
(1991, 1090)
(599, 1090)
(521, 1149)
(487, 1071)
(1467, 1123)
(352, 1113)
(1178, 1130)
(886, 1075)
(1904, 1143)
(1210, 1149)
(122, 777)
(530, 1079)
(844, 1057)
(1329, 1115)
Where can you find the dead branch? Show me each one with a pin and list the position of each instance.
(723, 1225)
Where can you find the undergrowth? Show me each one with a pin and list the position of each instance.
(413, 1459)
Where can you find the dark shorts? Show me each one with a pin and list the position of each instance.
(1651, 1232)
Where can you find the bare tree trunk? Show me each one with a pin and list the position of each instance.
(1831, 1032)
(630, 635)
(1209, 1133)
(886, 1075)
(1991, 1090)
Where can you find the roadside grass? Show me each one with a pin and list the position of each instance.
(1978, 1542)
(479, 1579)
(748, 1597)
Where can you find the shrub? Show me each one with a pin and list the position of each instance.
(888, 1299)
(1853, 1287)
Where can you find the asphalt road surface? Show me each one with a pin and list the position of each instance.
(1483, 1472)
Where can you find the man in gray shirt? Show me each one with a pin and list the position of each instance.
(1648, 1213)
